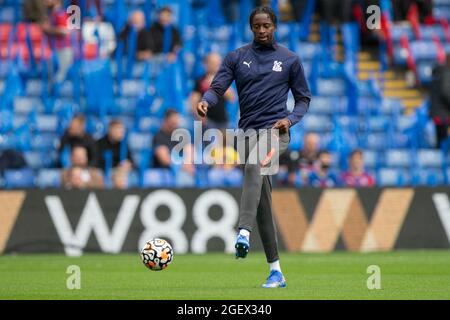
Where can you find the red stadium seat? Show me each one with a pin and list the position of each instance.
(36, 33)
(5, 31)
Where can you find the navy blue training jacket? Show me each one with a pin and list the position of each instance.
(263, 74)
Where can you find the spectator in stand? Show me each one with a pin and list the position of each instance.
(75, 135)
(302, 160)
(34, 11)
(80, 175)
(356, 176)
(163, 144)
(136, 21)
(163, 37)
(321, 175)
(119, 178)
(216, 117)
(114, 142)
(59, 37)
(440, 100)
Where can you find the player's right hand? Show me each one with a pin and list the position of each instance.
(202, 108)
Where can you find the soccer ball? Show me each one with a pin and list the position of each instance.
(157, 254)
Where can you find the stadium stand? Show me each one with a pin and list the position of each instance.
(359, 100)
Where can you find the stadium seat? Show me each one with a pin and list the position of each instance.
(184, 179)
(428, 32)
(399, 158)
(47, 123)
(428, 177)
(158, 178)
(139, 141)
(377, 124)
(149, 124)
(38, 160)
(391, 106)
(397, 31)
(133, 179)
(349, 124)
(406, 123)
(393, 177)
(35, 87)
(425, 71)
(375, 141)
(218, 177)
(423, 50)
(430, 158)
(331, 87)
(25, 105)
(371, 159)
(316, 123)
(132, 88)
(307, 51)
(21, 178)
(327, 105)
(49, 178)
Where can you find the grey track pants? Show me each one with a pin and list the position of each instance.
(256, 199)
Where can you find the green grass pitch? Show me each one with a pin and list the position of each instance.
(339, 275)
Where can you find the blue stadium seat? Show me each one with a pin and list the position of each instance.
(133, 179)
(393, 177)
(428, 177)
(35, 87)
(391, 106)
(428, 32)
(425, 71)
(423, 50)
(307, 51)
(125, 106)
(377, 124)
(349, 124)
(402, 158)
(149, 124)
(316, 123)
(375, 141)
(37, 160)
(139, 141)
(132, 88)
(21, 178)
(43, 142)
(331, 87)
(327, 105)
(25, 105)
(47, 123)
(397, 31)
(184, 179)
(66, 89)
(406, 123)
(372, 159)
(430, 158)
(158, 178)
(49, 178)
(223, 178)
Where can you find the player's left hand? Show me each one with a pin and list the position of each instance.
(282, 125)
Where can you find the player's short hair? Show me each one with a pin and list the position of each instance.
(322, 151)
(356, 152)
(115, 122)
(266, 10)
(170, 112)
(165, 8)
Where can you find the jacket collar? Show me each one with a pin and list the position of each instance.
(264, 47)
